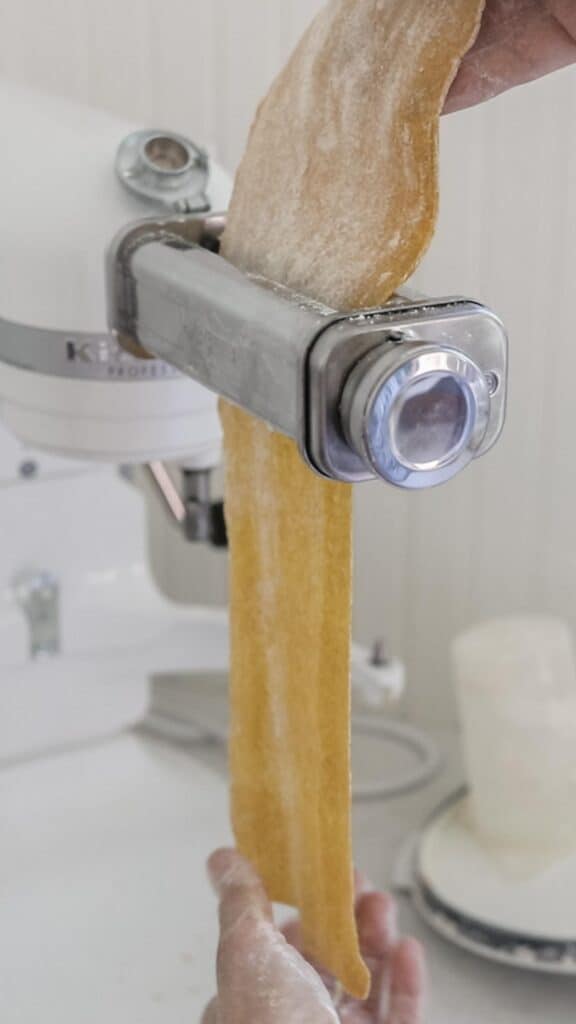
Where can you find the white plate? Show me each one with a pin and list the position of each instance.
(479, 902)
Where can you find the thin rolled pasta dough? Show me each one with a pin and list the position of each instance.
(336, 197)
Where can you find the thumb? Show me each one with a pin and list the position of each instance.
(239, 889)
(260, 977)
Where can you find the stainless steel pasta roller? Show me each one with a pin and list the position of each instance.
(410, 392)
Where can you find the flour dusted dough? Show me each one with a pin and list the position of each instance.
(337, 198)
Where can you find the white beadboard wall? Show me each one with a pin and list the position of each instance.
(502, 538)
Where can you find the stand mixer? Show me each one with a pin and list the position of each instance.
(78, 405)
(410, 393)
(78, 606)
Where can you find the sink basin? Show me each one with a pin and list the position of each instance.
(115, 628)
(99, 685)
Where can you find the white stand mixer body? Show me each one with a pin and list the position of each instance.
(63, 204)
(63, 516)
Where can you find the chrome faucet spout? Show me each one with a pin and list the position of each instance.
(37, 592)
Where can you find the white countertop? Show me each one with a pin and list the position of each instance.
(106, 914)
(107, 918)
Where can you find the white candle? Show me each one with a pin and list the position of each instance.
(516, 685)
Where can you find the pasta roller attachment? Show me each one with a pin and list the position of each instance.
(410, 392)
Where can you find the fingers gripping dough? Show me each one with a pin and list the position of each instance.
(337, 198)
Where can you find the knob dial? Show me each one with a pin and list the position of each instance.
(415, 413)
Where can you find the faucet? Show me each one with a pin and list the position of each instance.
(37, 592)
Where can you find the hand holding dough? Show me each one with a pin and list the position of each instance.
(520, 40)
(263, 977)
(336, 197)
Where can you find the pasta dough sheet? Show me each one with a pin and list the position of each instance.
(336, 197)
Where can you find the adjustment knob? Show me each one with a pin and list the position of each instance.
(415, 413)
